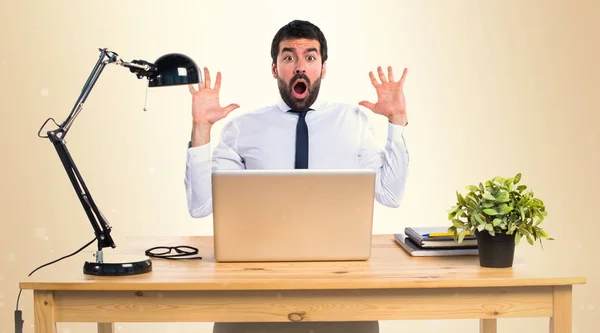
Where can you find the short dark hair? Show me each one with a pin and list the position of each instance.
(295, 30)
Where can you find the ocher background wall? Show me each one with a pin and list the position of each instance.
(494, 88)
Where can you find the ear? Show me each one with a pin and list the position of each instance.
(274, 70)
(324, 70)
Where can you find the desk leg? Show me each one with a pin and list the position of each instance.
(106, 327)
(562, 310)
(43, 312)
(487, 326)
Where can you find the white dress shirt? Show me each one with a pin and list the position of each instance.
(339, 135)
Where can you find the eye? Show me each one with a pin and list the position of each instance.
(287, 58)
(311, 58)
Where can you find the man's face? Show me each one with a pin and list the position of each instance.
(299, 72)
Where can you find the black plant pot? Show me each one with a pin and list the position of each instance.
(496, 251)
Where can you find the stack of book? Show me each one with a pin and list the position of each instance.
(435, 241)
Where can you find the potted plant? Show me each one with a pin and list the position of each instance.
(499, 214)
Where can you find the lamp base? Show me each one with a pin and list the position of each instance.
(126, 266)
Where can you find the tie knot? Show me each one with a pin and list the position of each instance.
(301, 114)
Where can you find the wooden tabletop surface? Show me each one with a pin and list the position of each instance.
(389, 267)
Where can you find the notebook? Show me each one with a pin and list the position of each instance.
(420, 235)
(416, 251)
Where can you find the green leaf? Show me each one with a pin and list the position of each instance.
(490, 229)
(461, 200)
(452, 229)
(472, 199)
(472, 188)
(529, 239)
(503, 196)
(461, 236)
(521, 188)
(472, 220)
(480, 227)
(517, 178)
(478, 218)
(488, 204)
(472, 205)
(490, 211)
(488, 196)
(504, 209)
(496, 222)
(481, 188)
(458, 223)
(522, 213)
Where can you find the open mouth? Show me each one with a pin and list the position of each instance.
(300, 90)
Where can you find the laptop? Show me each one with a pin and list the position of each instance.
(293, 215)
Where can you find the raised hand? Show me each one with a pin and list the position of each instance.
(206, 109)
(390, 96)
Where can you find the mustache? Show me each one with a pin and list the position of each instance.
(299, 76)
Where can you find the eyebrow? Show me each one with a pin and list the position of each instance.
(291, 49)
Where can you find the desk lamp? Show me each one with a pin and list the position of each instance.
(168, 70)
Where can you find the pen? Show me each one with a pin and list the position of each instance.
(443, 234)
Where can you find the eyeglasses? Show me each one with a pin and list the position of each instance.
(164, 252)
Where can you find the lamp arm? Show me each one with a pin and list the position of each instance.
(102, 228)
(105, 58)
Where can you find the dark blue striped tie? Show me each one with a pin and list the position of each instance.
(301, 141)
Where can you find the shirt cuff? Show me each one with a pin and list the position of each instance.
(198, 154)
(396, 132)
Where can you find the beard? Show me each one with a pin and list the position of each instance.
(299, 104)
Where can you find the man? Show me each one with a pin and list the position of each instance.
(298, 132)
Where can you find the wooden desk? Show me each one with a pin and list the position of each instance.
(390, 286)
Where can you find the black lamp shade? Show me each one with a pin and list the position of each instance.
(174, 69)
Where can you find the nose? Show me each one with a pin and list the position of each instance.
(300, 67)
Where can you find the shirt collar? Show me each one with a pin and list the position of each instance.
(283, 107)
